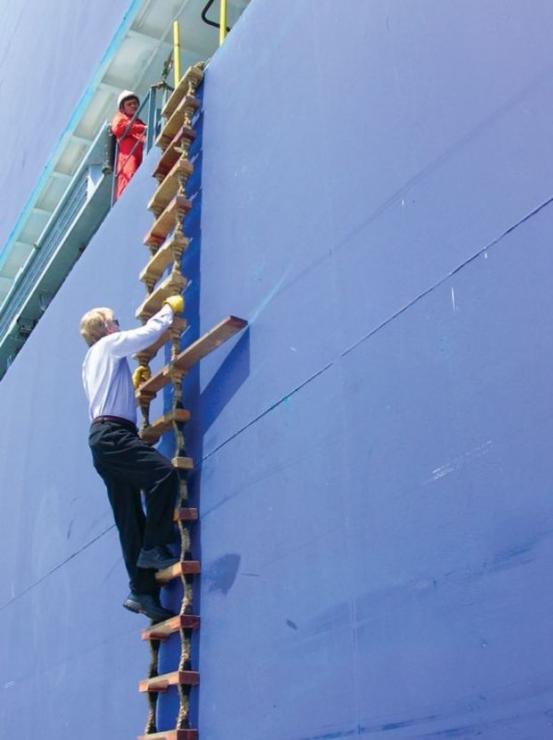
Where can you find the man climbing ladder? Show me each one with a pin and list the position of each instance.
(126, 463)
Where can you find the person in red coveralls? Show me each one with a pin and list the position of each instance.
(130, 139)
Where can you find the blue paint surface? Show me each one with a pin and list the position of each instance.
(373, 454)
(383, 467)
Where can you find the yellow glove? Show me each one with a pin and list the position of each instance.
(176, 302)
(141, 375)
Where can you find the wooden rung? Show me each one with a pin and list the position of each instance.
(171, 249)
(167, 221)
(193, 353)
(162, 683)
(168, 188)
(181, 142)
(179, 325)
(185, 110)
(172, 735)
(183, 463)
(184, 568)
(193, 76)
(173, 283)
(152, 433)
(185, 514)
(208, 342)
(162, 630)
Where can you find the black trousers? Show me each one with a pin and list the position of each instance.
(128, 466)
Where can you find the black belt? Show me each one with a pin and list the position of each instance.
(115, 420)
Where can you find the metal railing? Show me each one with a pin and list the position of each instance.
(45, 248)
(222, 23)
(71, 202)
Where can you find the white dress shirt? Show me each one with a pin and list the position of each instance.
(106, 373)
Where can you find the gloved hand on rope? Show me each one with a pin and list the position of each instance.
(176, 302)
(141, 375)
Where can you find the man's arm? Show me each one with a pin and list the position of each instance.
(125, 343)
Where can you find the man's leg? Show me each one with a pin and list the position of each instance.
(130, 521)
(127, 511)
(125, 457)
(155, 475)
(159, 481)
(113, 451)
(160, 507)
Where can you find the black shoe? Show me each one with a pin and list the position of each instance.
(149, 605)
(156, 558)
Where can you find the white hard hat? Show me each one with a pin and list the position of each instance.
(125, 95)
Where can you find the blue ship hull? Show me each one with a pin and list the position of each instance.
(373, 465)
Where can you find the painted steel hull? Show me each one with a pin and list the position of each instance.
(374, 473)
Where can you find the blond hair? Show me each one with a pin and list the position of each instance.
(93, 324)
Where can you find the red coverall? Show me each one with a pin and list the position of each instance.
(130, 147)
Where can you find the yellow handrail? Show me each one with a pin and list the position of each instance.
(176, 51)
(223, 22)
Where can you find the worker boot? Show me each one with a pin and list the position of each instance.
(156, 558)
(149, 605)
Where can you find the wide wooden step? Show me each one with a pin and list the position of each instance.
(163, 630)
(182, 113)
(182, 169)
(179, 146)
(179, 325)
(193, 354)
(172, 735)
(209, 341)
(193, 76)
(184, 568)
(152, 433)
(162, 683)
(174, 283)
(186, 514)
(167, 220)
